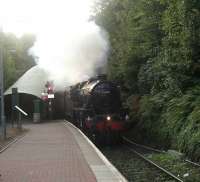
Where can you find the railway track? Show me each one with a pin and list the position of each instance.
(193, 163)
(142, 150)
(158, 151)
(133, 167)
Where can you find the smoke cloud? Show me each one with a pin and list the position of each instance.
(69, 47)
(72, 55)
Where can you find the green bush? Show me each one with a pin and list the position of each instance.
(172, 122)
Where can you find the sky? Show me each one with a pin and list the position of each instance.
(34, 16)
(69, 47)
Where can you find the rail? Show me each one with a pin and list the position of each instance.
(157, 150)
(149, 161)
(143, 146)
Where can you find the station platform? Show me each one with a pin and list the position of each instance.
(55, 152)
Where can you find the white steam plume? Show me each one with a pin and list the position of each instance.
(72, 55)
(68, 46)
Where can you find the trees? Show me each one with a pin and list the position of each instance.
(135, 35)
(154, 43)
(155, 53)
(16, 57)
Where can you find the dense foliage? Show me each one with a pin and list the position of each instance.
(16, 57)
(155, 54)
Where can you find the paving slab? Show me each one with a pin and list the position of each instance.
(48, 153)
(56, 152)
(101, 167)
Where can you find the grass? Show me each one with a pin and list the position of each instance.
(177, 166)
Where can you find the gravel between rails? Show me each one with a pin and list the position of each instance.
(134, 168)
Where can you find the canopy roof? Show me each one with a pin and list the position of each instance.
(32, 82)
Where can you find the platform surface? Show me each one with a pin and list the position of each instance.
(55, 152)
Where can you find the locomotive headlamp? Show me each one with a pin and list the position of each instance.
(108, 118)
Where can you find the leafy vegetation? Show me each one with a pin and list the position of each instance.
(16, 57)
(155, 54)
(177, 166)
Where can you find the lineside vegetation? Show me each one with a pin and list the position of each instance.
(16, 57)
(155, 56)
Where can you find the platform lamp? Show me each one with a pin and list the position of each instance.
(2, 111)
(3, 121)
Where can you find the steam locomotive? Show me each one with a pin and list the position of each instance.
(95, 107)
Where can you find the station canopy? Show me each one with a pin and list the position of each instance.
(32, 82)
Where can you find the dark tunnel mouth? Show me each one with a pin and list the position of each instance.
(25, 103)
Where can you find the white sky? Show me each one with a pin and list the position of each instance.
(35, 16)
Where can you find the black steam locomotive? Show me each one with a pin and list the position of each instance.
(95, 106)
